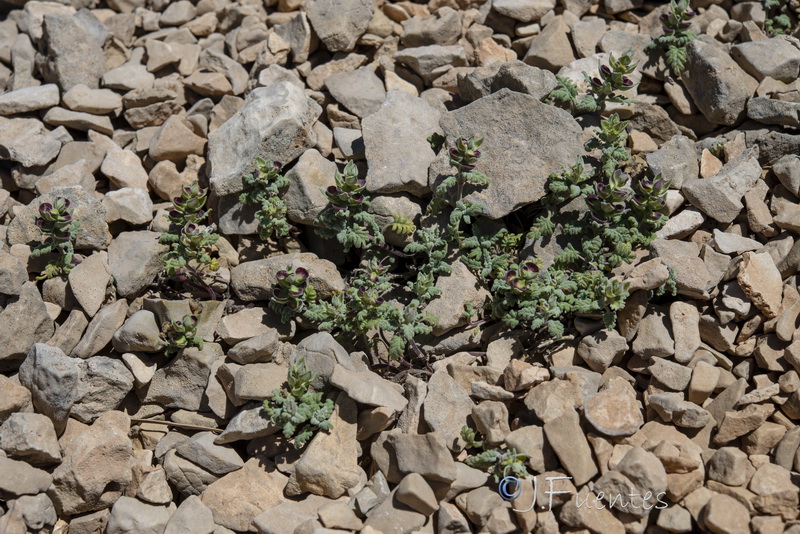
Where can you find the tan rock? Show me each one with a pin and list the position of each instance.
(238, 497)
(761, 281)
(726, 515)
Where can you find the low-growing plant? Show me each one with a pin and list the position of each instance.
(612, 80)
(675, 24)
(191, 254)
(60, 230)
(500, 463)
(292, 293)
(347, 217)
(180, 334)
(266, 184)
(297, 409)
(781, 16)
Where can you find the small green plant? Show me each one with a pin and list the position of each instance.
(297, 409)
(292, 293)
(464, 157)
(675, 25)
(612, 79)
(347, 217)
(782, 16)
(266, 185)
(60, 230)
(362, 308)
(180, 334)
(499, 463)
(191, 253)
(401, 225)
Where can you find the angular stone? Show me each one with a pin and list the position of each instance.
(27, 142)
(29, 99)
(238, 497)
(103, 383)
(77, 120)
(30, 437)
(275, 124)
(132, 515)
(601, 349)
(403, 122)
(96, 468)
(95, 101)
(24, 322)
(13, 398)
(510, 122)
(88, 282)
(124, 169)
(720, 196)
(459, 288)
(182, 383)
(550, 49)
(367, 388)
(775, 58)
(447, 408)
(339, 24)
(329, 465)
(101, 329)
(188, 478)
(675, 161)
(671, 408)
(201, 450)
(175, 140)
(309, 177)
(52, 379)
(569, 443)
(130, 205)
(760, 280)
(718, 86)
(73, 55)
(360, 91)
(614, 411)
(135, 259)
(22, 479)
(426, 60)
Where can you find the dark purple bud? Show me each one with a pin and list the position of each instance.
(597, 82)
(476, 154)
(277, 164)
(667, 31)
(66, 202)
(510, 275)
(605, 69)
(358, 199)
(529, 267)
(46, 207)
(297, 292)
(333, 190)
(76, 260)
(688, 14)
(190, 228)
(301, 273)
(663, 17)
(178, 323)
(685, 25)
(361, 182)
(453, 151)
(379, 300)
(281, 275)
(39, 222)
(626, 81)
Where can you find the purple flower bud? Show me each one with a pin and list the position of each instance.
(663, 17)
(301, 273)
(626, 81)
(379, 301)
(688, 14)
(281, 275)
(277, 164)
(361, 182)
(39, 222)
(333, 190)
(685, 25)
(453, 151)
(605, 69)
(45, 208)
(667, 31)
(358, 199)
(297, 292)
(190, 228)
(67, 203)
(529, 267)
